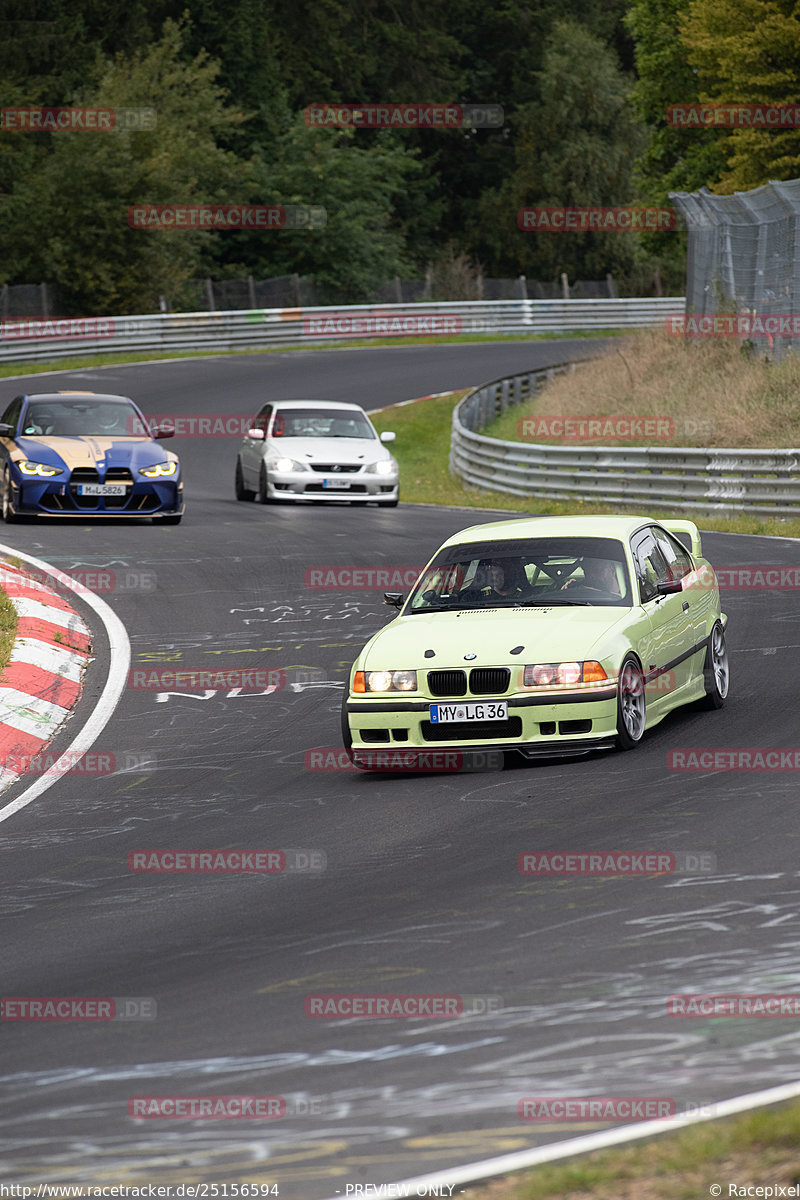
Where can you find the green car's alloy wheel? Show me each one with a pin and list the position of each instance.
(716, 669)
(9, 516)
(630, 704)
(347, 736)
(242, 493)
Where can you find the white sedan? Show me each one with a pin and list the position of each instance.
(315, 450)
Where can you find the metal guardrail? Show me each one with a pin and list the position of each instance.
(43, 339)
(765, 482)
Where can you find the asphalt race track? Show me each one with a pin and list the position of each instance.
(421, 892)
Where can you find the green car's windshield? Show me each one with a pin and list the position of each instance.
(529, 572)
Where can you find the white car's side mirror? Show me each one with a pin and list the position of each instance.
(256, 435)
(388, 436)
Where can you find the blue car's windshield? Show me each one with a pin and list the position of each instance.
(82, 418)
(529, 572)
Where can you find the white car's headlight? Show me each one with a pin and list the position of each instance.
(288, 464)
(41, 469)
(162, 468)
(385, 681)
(386, 466)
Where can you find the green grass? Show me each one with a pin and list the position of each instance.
(81, 361)
(756, 1148)
(423, 447)
(8, 626)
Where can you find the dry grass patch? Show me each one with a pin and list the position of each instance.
(715, 394)
(757, 1148)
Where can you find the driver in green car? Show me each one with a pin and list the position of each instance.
(599, 575)
(508, 579)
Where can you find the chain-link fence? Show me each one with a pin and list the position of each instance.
(302, 291)
(744, 262)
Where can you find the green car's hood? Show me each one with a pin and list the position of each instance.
(547, 635)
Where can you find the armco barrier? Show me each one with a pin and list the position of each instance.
(43, 339)
(765, 482)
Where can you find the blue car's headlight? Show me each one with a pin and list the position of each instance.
(160, 469)
(42, 469)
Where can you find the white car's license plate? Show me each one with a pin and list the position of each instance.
(101, 489)
(336, 483)
(470, 710)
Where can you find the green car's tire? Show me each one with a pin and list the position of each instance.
(716, 669)
(347, 737)
(631, 708)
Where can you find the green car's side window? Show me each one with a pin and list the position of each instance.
(649, 563)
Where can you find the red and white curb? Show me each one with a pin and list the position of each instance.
(43, 679)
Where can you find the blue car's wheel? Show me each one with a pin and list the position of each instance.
(631, 711)
(9, 516)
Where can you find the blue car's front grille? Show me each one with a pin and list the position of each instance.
(82, 475)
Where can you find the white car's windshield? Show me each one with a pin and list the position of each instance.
(82, 418)
(321, 423)
(531, 572)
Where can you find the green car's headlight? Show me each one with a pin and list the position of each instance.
(162, 468)
(385, 681)
(563, 673)
(41, 469)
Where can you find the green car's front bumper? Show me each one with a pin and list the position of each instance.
(568, 723)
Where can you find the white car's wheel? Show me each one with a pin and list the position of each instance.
(242, 493)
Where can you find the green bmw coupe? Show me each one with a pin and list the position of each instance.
(545, 636)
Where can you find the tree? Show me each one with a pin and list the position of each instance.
(361, 245)
(748, 52)
(70, 213)
(574, 146)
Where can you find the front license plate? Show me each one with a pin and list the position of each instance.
(336, 483)
(101, 489)
(471, 710)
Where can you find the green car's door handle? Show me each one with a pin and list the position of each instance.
(685, 606)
